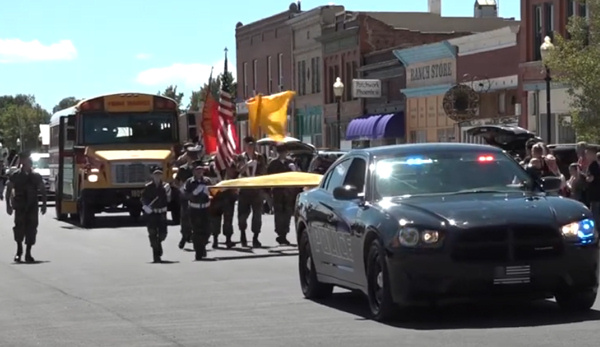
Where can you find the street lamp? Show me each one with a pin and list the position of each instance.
(546, 48)
(338, 91)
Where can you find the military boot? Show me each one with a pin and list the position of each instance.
(228, 243)
(243, 239)
(255, 242)
(28, 257)
(156, 255)
(215, 243)
(182, 242)
(19, 252)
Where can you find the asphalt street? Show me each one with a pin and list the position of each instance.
(98, 287)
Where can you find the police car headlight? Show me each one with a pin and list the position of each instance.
(93, 178)
(413, 237)
(582, 231)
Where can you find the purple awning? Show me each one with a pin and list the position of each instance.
(377, 126)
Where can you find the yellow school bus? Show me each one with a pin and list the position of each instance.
(102, 151)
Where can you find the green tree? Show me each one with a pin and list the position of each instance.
(171, 92)
(21, 122)
(199, 96)
(576, 63)
(66, 103)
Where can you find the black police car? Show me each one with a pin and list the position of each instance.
(422, 223)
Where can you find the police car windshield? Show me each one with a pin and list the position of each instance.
(447, 173)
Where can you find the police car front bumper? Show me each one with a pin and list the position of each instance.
(425, 277)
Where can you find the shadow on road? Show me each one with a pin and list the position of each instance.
(467, 316)
(165, 262)
(105, 222)
(31, 263)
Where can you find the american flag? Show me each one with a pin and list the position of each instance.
(226, 150)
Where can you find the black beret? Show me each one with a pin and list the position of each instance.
(249, 140)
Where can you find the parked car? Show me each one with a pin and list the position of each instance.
(323, 159)
(510, 139)
(422, 223)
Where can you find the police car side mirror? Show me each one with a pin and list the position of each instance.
(347, 192)
(551, 184)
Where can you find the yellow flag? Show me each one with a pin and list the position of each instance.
(269, 114)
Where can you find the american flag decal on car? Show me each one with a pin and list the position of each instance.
(512, 274)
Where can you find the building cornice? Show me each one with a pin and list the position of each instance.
(312, 48)
(378, 65)
(487, 41)
(330, 37)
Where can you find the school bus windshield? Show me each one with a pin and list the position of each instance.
(116, 128)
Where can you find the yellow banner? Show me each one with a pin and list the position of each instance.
(126, 103)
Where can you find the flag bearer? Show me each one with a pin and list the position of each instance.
(155, 199)
(183, 174)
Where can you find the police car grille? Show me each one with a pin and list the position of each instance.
(504, 244)
(131, 172)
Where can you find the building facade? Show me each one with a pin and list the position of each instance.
(307, 67)
(264, 63)
(386, 112)
(430, 73)
(489, 64)
(541, 18)
(356, 34)
(485, 62)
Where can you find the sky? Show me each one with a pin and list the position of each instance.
(61, 48)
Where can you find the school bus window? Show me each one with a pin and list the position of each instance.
(129, 128)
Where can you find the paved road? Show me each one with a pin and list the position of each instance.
(98, 288)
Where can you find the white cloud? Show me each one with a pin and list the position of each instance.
(143, 56)
(17, 51)
(188, 75)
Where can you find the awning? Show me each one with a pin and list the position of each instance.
(377, 126)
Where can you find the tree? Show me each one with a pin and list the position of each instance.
(21, 122)
(576, 63)
(199, 96)
(66, 103)
(171, 92)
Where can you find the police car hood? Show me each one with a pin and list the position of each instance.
(485, 209)
(147, 154)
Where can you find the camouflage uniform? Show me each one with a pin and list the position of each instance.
(22, 197)
(283, 199)
(155, 199)
(222, 209)
(251, 200)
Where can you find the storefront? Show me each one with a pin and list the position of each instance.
(309, 125)
(430, 73)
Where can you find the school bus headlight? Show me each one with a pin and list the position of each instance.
(93, 178)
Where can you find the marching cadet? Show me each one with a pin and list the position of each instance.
(283, 198)
(222, 208)
(250, 200)
(197, 194)
(184, 172)
(155, 199)
(22, 196)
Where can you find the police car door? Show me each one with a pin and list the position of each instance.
(344, 225)
(320, 215)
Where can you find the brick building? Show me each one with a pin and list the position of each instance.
(263, 57)
(542, 18)
(307, 65)
(390, 106)
(489, 63)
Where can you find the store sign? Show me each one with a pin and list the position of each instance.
(431, 73)
(366, 88)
